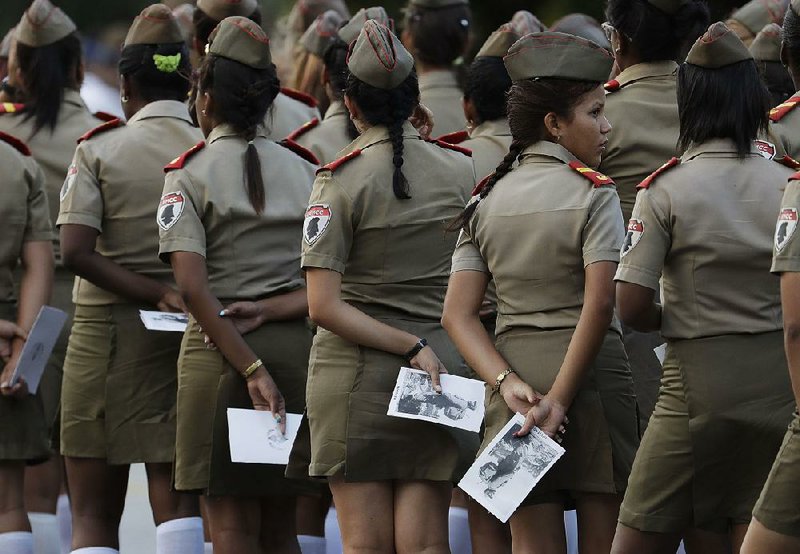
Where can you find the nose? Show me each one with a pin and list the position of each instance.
(605, 125)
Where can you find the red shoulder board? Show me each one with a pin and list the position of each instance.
(105, 116)
(479, 187)
(306, 127)
(454, 138)
(650, 178)
(16, 143)
(597, 178)
(306, 99)
(10, 107)
(180, 161)
(448, 146)
(789, 162)
(612, 86)
(107, 126)
(777, 113)
(795, 176)
(304, 153)
(341, 161)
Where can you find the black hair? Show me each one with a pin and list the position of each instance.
(390, 108)
(529, 101)
(205, 24)
(440, 35)
(242, 95)
(335, 60)
(790, 37)
(777, 80)
(708, 110)
(486, 85)
(138, 63)
(48, 71)
(655, 34)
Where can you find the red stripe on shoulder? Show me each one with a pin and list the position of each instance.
(650, 178)
(304, 153)
(597, 178)
(481, 185)
(107, 126)
(105, 116)
(335, 164)
(303, 129)
(612, 86)
(454, 138)
(448, 146)
(795, 176)
(21, 147)
(181, 160)
(789, 162)
(10, 107)
(778, 112)
(306, 99)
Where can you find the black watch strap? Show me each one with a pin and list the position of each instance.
(416, 349)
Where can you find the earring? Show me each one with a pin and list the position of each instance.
(203, 112)
(124, 99)
(558, 139)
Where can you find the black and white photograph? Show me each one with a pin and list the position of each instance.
(506, 472)
(164, 321)
(460, 404)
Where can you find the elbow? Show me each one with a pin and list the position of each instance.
(73, 259)
(631, 315)
(318, 313)
(791, 331)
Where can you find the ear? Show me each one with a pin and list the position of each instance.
(326, 76)
(124, 86)
(470, 113)
(552, 126)
(352, 107)
(407, 40)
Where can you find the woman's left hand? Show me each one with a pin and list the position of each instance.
(428, 361)
(548, 415)
(422, 120)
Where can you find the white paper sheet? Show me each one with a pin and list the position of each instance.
(164, 321)
(41, 340)
(459, 405)
(661, 352)
(508, 469)
(255, 438)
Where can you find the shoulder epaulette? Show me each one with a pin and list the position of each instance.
(181, 160)
(105, 116)
(303, 129)
(10, 107)
(304, 153)
(479, 187)
(778, 112)
(306, 99)
(650, 178)
(454, 138)
(612, 86)
(597, 178)
(107, 126)
(795, 176)
(335, 164)
(16, 143)
(789, 162)
(448, 146)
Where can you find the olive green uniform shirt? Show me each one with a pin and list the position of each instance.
(330, 137)
(785, 133)
(115, 185)
(394, 255)
(786, 252)
(287, 114)
(705, 227)
(643, 114)
(440, 93)
(535, 233)
(248, 255)
(489, 143)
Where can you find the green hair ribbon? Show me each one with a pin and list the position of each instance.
(167, 64)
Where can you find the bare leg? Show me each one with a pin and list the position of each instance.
(166, 503)
(311, 512)
(489, 535)
(235, 524)
(760, 540)
(539, 529)
(97, 493)
(738, 533)
(12, 504)
(421, 517)
(366, 515)
(597, 522)
(278, 525)
(43, 485)
(697, 541)
(632, 541)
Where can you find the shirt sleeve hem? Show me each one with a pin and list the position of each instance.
(322, 262)
(637, 277)
(593, 256)
(167, 247)
(80, 218)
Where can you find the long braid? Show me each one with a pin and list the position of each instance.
(399, 181)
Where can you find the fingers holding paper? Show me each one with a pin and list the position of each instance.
(429, 362)
(266, 397)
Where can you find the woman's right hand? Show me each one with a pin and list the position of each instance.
(171, 301)
(519, 395)
(266, 397)
(8, 332)
(20, 388)
(428, 361)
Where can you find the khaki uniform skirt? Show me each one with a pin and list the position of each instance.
(208, 386)
(50, 384)
(722, 411)
(603, 431)
(348, 394)
(119, 389)
(23, 427)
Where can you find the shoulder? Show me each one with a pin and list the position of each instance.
(306, 99)
(104, 116)
(448, 146)
(595, 177)
(336, 164)
(10, 107)
(303, 129)
(180, 161)
(612, 86)
(454, 138)
(672, 162)
(304, 153)
(779, 112)
(20, 146)
(789, 162)
(100, 129)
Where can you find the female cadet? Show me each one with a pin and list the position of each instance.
(310, 68)
(751, 18)
(26, 236)
(436, 32)
(784, 118)
(766, 51)
(558, 337)
(702, 231)
(375, 256)
(234, 243)
(120, 381)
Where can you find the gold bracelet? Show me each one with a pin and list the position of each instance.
(252, 369)
(501, 378)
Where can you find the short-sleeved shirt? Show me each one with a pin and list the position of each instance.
(643, 113)
(785, 133)
(535, 233)
(205, 209)
(24, 212)
(285, 115)
(440, 93)
(393, 254)
(489, 143)
(705, 227)
(786, 250)
(114, 186)
(331, 136)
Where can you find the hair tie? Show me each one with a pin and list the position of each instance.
(167, 64)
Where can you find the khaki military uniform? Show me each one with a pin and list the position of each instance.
(440, 93)
(489, 142)
(567, 223)
(118, 398)
(289, 111)
(249, 257)
(328, 137)
(725, 377)
(394, 257)
(783, 127)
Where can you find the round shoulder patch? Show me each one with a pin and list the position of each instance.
(170, 209)
(72, 174)
(766, 149)
(785, 227)
(633, 236)
(318, 217)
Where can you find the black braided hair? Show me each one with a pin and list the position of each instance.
(335, 60)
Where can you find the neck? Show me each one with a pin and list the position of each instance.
(423, 68)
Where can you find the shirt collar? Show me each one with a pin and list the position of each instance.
(224, 130)
(438, 78)
(73, 97)
(494, 128)
(645, 70)
(545, 148)
(162, 108)
(337, 107)
(379, 133)
(724, 147)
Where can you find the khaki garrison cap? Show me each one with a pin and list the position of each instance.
(220, 9)
(321, 33)
(668, 6)
(43, 24)
(757, 13)
(499, 42)
(350, 31)
(435, 4)
(767, 45)
(155, 25)
(378, 58)
(558, 55)
(718, 47)
(524, 23)
(5, 45)
(314, 8)
(241, 40)
(582, 25)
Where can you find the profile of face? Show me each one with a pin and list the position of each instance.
(585, 133)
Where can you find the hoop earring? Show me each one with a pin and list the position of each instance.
(203, 112)
(124, 99)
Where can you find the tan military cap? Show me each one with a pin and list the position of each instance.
(313, 8)
(43, 24)
(434, 4)
(767, 45)
(321, 33)
(350, 31)
(718, 47)
(220, 9)
(558, 55)
(582, 25)
(242, 40)
(155, 25)
(5, 46)
(378, 57)
(499, 42)
(524, 23)
(757, 13)
(668, 6)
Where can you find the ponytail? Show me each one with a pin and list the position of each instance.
(253, 179)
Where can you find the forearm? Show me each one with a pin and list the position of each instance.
(475, 345)
(637, 307)
(36, 285)
(648, 321)
(283, 307)
(110, 276)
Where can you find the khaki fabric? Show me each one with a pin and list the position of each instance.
(154, 25)
(643, 113)
(705, 228)
(489, 143)
(786, 249)
(378, 57)
(558, 55)
(43, 24)
(541, 210)
(114, 186)
(242, 40)
(330, 137)
(717, 48)
(777, 507)
(440, 93)
(248, 255)
(785, 132)
(286, 115)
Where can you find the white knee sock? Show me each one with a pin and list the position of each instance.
(64, 517)
(180, 536)
(45, 533)
(16, 542)
(208, 548)
(460, 542)
(310, 544)
(96, 550)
